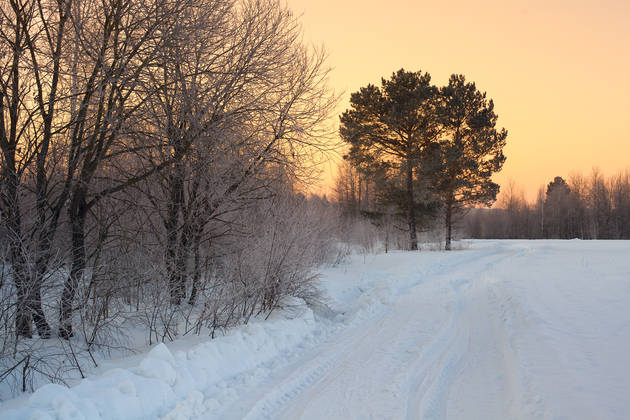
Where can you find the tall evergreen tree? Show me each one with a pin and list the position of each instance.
(389, 127)
(470, 150)
(557, 208)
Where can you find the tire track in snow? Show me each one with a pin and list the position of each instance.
(517, 323)
(389, 366)
(434, 365)
(435, 369)
(443, 359)
(301, 375)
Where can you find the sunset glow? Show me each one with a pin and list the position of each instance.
(557, 71)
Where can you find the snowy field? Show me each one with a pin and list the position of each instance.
(497, 330)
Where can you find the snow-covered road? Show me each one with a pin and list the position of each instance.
(507, 330)
(497, 330)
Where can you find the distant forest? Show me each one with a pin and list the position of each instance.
(583, 207)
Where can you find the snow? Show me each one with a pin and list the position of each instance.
(499, 330)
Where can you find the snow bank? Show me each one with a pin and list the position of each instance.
(167, 384)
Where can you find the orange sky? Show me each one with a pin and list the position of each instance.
(558, 71)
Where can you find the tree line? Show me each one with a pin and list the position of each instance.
(151, 154)
(418, 152)
(582, 207)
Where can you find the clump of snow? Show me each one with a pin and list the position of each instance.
(159, 364)
(190, 407)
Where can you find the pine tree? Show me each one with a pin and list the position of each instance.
(557, 206)
(389, 127)
(469, 152)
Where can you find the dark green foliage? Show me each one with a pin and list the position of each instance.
(470, 150)
(557, 188)
(421, 145)
(558, 210)
(388, 128)
(391, 193)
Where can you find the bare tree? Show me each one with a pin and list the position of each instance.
(230, 109)
(120, 43)
(587, 208)
(33, 36)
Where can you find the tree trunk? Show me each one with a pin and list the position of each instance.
(27, 282)
(172, 225)
(411, 214)
(16, 251)
(77, 214)
(35, 306)
(448, 224)
(196, 266)
(29, 305)
(44, 244)
(29, 301)
(183, 254)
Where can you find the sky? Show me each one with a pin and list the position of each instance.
(558, 71)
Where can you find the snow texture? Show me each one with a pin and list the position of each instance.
(502, 330)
